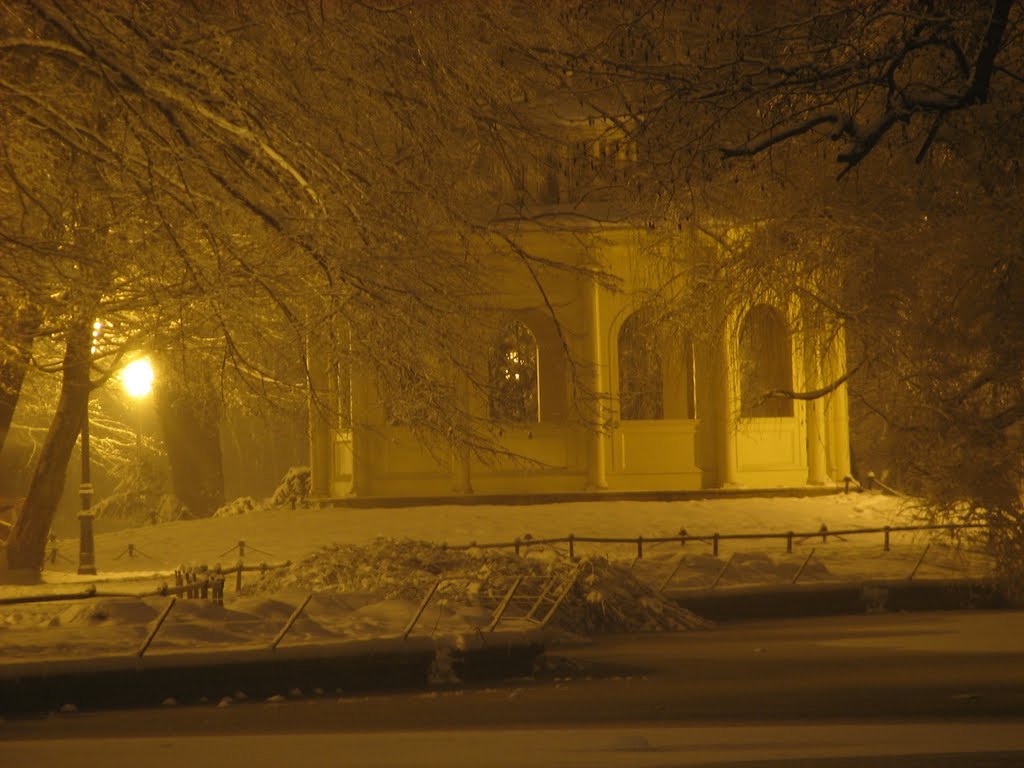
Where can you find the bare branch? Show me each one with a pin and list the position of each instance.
(779, 136)
(817, 393)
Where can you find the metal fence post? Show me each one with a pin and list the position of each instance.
(721, 573)
(569, 583)
(217, 585)
(672, 574)
(919, 561)
(421, 609)
(291, 620)
(503, 605)
(800, 570)
(156, 628)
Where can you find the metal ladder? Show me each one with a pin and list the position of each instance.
(543, 607)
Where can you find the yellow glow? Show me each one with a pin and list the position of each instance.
(137, 377)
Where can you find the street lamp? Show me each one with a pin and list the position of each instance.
(137, 377)
(86, 545)
(86, 551)
(137, 380)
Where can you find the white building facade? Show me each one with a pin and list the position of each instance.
(627, 409)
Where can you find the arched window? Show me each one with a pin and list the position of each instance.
(640, 377)
(766, 363)
(513, 375)
(656, 377)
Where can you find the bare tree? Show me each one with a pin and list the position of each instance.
(741, 112)
(252, 180)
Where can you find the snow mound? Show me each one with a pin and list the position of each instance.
(113, 610)
(293, 488)
(240, 506)
(602, 595)
(703, 569)
(292, 491)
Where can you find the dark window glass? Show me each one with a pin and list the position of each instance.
(766, 363)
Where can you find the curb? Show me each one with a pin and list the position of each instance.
(791, 601)
(378, 665)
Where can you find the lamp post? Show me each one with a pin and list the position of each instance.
(137, 380)
(86, 551)
(86, 545)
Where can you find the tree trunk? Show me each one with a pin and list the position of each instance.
(26, 547)
(191, 431)
(19, 334)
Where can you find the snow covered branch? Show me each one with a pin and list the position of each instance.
(816, 394)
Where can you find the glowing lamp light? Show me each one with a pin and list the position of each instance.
(97, 331)
(137, 377)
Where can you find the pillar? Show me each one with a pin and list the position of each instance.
(839, 410)
(597, 478)
(817, 471)
(727, 407)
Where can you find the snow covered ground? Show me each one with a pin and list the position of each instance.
(371, 597)
(276, 534)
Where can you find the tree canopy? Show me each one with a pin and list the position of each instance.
(747, 113)
(236, 183)
(230, 183)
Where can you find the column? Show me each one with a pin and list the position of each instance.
(726, 408)
(839, 410)
(597, 478)
(817, 471)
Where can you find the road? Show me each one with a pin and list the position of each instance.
(888, 690)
